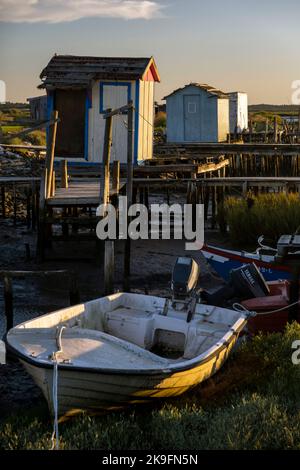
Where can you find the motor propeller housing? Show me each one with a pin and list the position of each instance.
(184, 278)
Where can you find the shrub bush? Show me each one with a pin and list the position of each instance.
(271, 215)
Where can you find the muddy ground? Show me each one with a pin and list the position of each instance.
(151, 265)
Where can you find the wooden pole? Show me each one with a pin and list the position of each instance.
(250, 130)
(50, 152)
(130, 154)
(266, 130)
(28, 207)
(3, 202)
(129, 191)
(15, 203)
(8, 302)
(64, 174)
(104, 189)
(275, 130)
(116, 177)
(42, 217)
(53, 184)
(105, 197)
(109, 264)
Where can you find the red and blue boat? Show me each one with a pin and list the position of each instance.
(223, 261)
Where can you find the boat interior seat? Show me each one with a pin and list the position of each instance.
(146, 329)
(130, 325)
(201, 338)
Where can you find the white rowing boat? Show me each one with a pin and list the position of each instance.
(124, 348)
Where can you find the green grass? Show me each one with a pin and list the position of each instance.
(15, 117)
(37, 137)
(252, 403)
(11, 129)
(271, 215)
(13, 111)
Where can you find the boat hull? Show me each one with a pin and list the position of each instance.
(91, 391)
(224, 261)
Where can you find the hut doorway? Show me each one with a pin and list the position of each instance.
(192, 118)
(70, 105)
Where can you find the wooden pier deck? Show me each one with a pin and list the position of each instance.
(79, 193)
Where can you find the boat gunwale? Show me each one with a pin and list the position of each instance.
(242, 257)
(188, 365)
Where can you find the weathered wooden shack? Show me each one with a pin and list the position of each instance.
(82, 88)
(197, 113)
(38, 107)
(238, 111)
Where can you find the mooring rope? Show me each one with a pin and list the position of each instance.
(241, 308)
(55, 434)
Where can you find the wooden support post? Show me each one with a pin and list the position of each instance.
(109, 266)
(53, 184)
(73, 289)
(130, 154)
(41, 219)
(50, 152)
(27, 252)
(266, 130)
(8, 302)
(104, 189)
(28, 207)
(105, 197)
(206, 201)
(168, 196)
(64, 174)
(250, 130)
(3, 201)
(213, 207)
(116, 177)
(74, 215)
(129, 191)
(37, 202)
(146, 195)
(33, 205)
(15, 204)
(275, 130)
(65, 226)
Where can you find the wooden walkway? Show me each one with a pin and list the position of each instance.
(79, 193)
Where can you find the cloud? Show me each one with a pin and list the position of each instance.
(57, 11)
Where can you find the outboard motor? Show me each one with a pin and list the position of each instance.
(184, 283)
(184, 279)
(246, 282)
(249, 282)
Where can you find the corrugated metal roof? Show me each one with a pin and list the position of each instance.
(210, 89)
(78, 71)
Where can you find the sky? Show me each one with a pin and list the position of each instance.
(250, 46)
